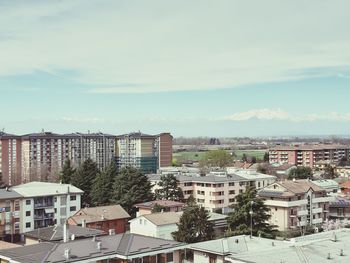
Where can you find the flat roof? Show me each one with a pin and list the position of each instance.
(34, 189)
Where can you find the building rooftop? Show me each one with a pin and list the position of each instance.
(168, 218)
(203, 179)
(166, 203)
(310, 147)
(345, 185)
(99, 213)
(136, 135)
(326, 183)
(55, 233)
(45, 189)
(7, 245)
(125, 245)
(9, 193)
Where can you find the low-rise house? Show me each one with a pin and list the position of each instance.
(161, 225)
(296, 204)
(56, 234)
(339, 208)
(46, 204)
(345, 188)
(122, 248)
(101, 217)
(331, 186)
(167, 206)
(10, 211)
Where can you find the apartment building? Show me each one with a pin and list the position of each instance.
(45, 204)
(308, 155)
(215, 192)
(10, 158)
(144, 151)
(296, 204)
(40, 156)
(10, 207)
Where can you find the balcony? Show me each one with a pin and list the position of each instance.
(302, 213)
(317, 221)
(285, 203)
(43, 205)
(323, 199)
(302, 223)
(317, 210)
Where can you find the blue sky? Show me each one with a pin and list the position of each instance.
(193, 68)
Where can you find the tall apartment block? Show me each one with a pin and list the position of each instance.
(10, 158)
(40, 156)
(143, 151)
(308, 155)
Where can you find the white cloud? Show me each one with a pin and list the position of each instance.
(281, 115)
(173, 45)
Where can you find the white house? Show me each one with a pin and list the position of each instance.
(161, 225)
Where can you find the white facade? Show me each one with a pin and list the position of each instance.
(45, 204)
(143, 226)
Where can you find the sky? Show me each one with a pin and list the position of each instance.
(192, 68)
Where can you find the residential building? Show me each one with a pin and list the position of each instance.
(10, 220)
(331, 186)
(105, 218)
(167, 206)
(342, 171)
(56, 234)
(217, 191)
(45, 204)
(308, 155)
(345, 188)
(339, 208)
(296, 204)
(122, 248)
(144, 151)
(10, 158)
(161, 225)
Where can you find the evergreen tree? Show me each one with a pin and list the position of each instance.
(2, 184)
(83, 179)
(131, 187)
(159, 208)
(329, 172)
(67, 172)
(101, 192)
(244, 157)
(169, 189)
(266, 157)
(194, 225)
(301, 172)
(239, 219)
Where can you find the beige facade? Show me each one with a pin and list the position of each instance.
(296, 204)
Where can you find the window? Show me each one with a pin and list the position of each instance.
(28, 202)
(240, 191)
(72, 208)
(231, 200)
(231, 192)
(73, 197)
(27, 213)
(28, 225)
(169, 257)
(231, 184)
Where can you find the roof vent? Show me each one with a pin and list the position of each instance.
(236, 240)
(334, 238)
(329, 256)
(273, 243)
(341, 253)
(93, 238)
(67, 253)
(111, 232)
(99, 245)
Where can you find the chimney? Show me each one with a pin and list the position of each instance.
(111, 232)
(67, 253)
(65, 232)
(83, 223)
(98, 245)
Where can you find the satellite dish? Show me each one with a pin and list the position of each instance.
(72, 237)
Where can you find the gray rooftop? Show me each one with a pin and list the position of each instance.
(8, 193)
(45, 189)
(122, 245)
(203, 179)
(55, 233)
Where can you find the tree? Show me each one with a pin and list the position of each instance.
(329, 172)
(244, 157)
(300, 172)
(101, 191)
(194, 225)
(2, 183)
(215, 158)
(239, 219)
(266, 157)
(262, 169)
(130, 187)
(67, 172)
(344, 161)
(83, 179)
(158, 208)
(253, 159)
(169, 189)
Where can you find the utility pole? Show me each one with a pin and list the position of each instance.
(251, 218)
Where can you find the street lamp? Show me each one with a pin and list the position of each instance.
(251, 218)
